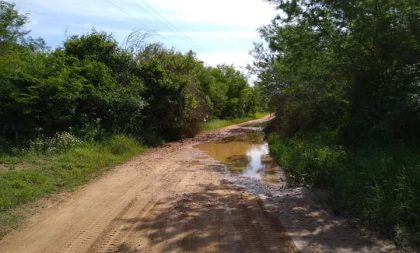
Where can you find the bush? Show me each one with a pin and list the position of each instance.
(381, 186)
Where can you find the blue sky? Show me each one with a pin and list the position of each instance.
(220, 31)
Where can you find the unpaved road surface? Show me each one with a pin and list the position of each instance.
(174, 199)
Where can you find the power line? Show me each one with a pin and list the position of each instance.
(159, 18)
(168, 24)
(133, 17)
(162, 20)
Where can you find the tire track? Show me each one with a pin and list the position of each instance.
(84, 240)
(125, 223)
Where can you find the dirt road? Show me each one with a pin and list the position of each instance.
(170, 199)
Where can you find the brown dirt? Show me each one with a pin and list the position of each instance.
(169, 199)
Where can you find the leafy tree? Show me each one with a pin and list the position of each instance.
(229, 93)
(171, 92)
(11, 24)
(111, 96)
(350, 65)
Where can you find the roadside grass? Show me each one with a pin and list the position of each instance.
(32, 175)
(377, 185)
(220, 123)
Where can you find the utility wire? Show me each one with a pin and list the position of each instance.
(168, 24)
(134, 18)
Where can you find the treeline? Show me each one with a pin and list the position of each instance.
(92, 87)
(344, 80)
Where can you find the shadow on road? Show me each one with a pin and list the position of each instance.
(215, 219)
(222, 219)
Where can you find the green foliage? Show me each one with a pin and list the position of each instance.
(95, 46)
(351, 65)
(11, 24)
(228, 92)
(379, 186)
(174, 107)
(52, 92)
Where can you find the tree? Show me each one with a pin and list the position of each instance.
(171, 91)
(229, 93)
(348, 65)
(11, 24)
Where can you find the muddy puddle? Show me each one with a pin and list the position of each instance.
(246, 155)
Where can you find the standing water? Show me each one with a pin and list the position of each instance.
(245, 154)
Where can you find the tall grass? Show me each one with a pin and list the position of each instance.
(379, 186)
(33, 173)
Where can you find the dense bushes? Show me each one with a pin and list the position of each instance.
(381, 186)
(50, 92)
(344, 80)
(92, 87)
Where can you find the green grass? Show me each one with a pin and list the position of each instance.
(33, 175)
(220, 123)
(379, 186)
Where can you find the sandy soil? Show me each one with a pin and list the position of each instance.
(177, 199)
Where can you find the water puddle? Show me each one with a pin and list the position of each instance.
(245, 154)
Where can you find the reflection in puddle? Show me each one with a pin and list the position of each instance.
(245, 154)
